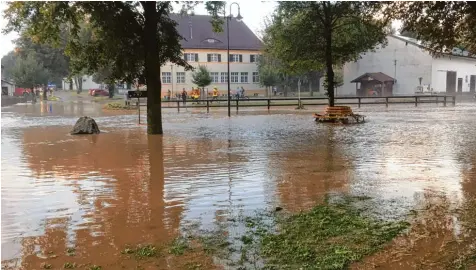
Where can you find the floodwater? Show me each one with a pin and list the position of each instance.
(101, 193)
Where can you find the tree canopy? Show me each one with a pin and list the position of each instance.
(133, 39)
(201, 77)
(441, 25)
(28, 72)
(310, 36)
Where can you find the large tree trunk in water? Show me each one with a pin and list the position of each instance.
(152, 69)
(111, 90)
(328, 51)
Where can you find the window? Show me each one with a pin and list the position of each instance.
(190, 57)
(224, 77)
(244, 77)
(214, 76)
(234, 77)
(214, 57)
(254, 58)
(166, 77)
(255, 77)
(236, 58)
(180, 77)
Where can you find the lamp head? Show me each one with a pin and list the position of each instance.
(239, 17)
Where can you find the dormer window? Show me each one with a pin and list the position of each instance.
(211, 41)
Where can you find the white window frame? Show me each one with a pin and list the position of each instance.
(255, 77)
(235, 58)
(190, 57)
(224, 77)
(214, 57)
(180, 77)
(255, 56)
(166, 77)
(235, 77)
(244, 75)
(215, 77)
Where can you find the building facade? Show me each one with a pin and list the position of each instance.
(202, 46)
(413, 69)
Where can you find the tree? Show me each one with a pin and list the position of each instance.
(28, 72)
(201, 77)
(441, 25)
(268, 75)
(138, 37)
(308, 35)
(104, 75)
(8, 62)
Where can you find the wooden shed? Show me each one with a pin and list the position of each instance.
(374, 84)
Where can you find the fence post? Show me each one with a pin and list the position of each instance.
(178, 105)
(416, 101)
(386, 102)
(138, 108)
(208, 108)
(437, 101)
(237, 104)
(444, 101)
(269, 103)
(454, 100)
(359, 101)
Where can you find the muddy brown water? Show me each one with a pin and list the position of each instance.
(103, 192)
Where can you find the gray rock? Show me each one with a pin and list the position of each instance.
(85, 125)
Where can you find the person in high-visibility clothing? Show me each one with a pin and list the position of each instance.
(215, 93)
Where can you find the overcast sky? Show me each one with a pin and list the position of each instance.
(253, 13)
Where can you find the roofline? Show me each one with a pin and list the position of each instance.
(218, 49)
(12, 83)
(427, 49)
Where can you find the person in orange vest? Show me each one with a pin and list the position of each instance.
(215, 94)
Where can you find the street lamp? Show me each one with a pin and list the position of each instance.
(228, 19)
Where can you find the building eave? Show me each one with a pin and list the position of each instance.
(429, 50)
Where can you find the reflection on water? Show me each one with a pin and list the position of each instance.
(122, 187)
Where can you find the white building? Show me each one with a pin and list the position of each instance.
(408, 68)
(204, 47)
(87, 84)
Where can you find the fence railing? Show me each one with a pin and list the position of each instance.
(307, 101)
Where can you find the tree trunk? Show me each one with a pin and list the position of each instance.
(328, 51)
(310, 87)
(111, 90)
(71, 85)
(152, 69)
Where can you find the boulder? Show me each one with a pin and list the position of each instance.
(85, 125)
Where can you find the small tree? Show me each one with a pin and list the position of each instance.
(27, 72)
(201, 77)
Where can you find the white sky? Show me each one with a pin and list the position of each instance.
(253, 13)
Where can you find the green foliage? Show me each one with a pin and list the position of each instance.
(179, 246)
(327, 237)
(28, 72)
(8, 62)
(441, 25)
(201, 77)
(142, 252)
(307, 36)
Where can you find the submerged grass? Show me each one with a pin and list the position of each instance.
(118, 106)
(330, 236)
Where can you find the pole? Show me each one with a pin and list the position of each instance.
(228, 61)
(172, 79)
(299, 93)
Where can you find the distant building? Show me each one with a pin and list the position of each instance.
(8, 88)
(202, 46)
(404, 67)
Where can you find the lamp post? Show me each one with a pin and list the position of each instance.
(228, 19)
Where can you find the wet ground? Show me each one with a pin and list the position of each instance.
(101, 193)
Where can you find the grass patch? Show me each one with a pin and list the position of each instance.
(179, 246)
(142, 252)
(330, 236)
(118, 106)
(69, 265)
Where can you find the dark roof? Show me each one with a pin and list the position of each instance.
(377, 76)
(241, 37)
